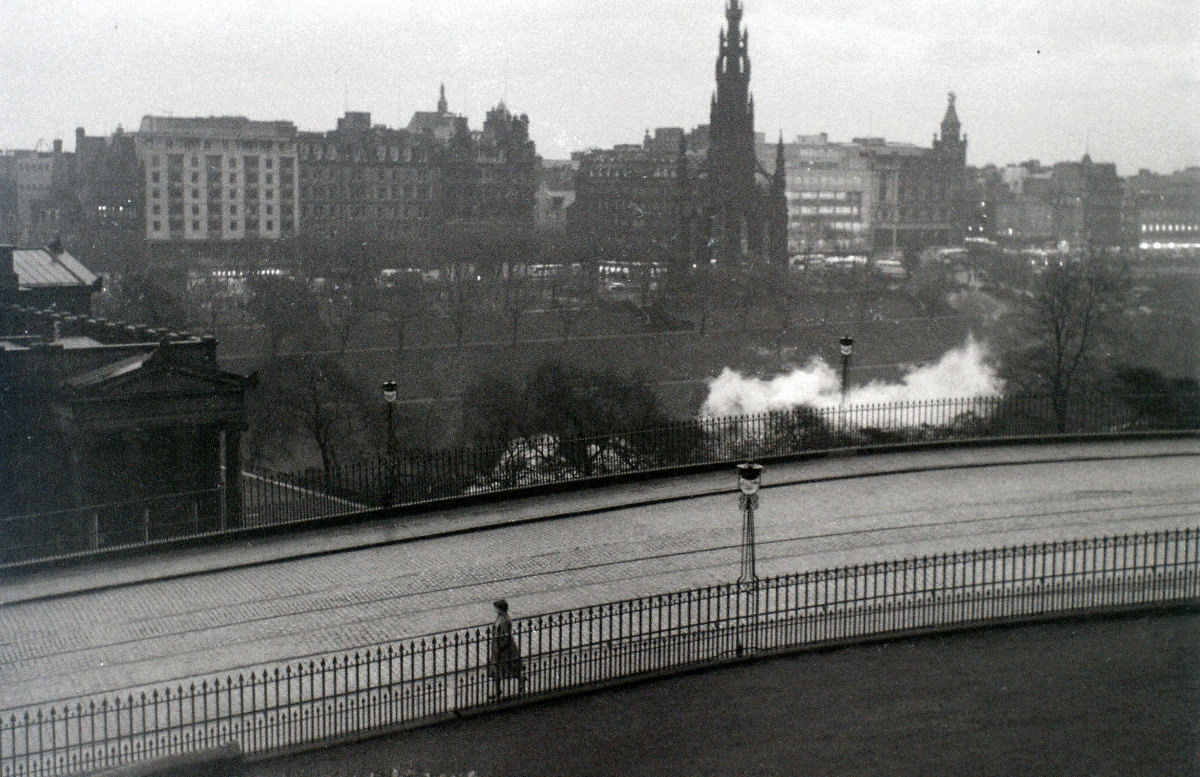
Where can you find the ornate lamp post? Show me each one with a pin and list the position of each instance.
(749, 480)
(847, 344)
(389, 399)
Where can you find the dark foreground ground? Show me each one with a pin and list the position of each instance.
(1097, 697)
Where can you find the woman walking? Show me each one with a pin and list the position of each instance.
(504, 657)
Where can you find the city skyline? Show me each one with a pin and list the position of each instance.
(1033, 81)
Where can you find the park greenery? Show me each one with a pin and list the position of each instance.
(495, 335)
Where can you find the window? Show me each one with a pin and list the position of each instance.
(270, 224)
(158, 226)
(233, 177)
(157, 210)
(154, 177)
(195, 177)
(156, 193)
(232, 193)
(195, 210)
(233, 225)
(195, 226)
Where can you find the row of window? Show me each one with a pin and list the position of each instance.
(1170, 227)
(213, 162)
(310, 172)
(251, 193)
(214, 225)
(408, 192)
(835, 226)
(177, 209)
(334, 153)
(252, 177)
(837, 196)
(829, 210)
(363, 211)
(224, 145)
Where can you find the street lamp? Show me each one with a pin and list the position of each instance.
(847, 344)
(749, 481)
(389, 399)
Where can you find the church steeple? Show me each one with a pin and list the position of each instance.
(951, 126)
(443, 106)
(952, 142)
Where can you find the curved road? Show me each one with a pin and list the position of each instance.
(379, 586)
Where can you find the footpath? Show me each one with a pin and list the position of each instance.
(180, 563)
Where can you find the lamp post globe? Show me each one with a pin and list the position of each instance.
(749, 478)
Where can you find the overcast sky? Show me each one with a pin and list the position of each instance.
(1042, 79)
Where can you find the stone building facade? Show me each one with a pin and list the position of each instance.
(110, 433)
(218, 178)
(364, 179)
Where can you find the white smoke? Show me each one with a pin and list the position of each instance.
(961, 372)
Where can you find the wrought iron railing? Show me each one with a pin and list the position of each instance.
(278, 499)
(383, 687)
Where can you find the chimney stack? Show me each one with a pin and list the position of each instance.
(9, 283)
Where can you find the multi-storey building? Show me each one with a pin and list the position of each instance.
(35, 193)
(555, 194)
(368, 179)
(1161, 213)
(490, 175)
(829, 195)
(108, 180)
(629, 199)
(871, 195)
(219, 178)
(1070, 205)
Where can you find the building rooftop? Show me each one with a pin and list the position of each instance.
(217, 126)
(45, 267)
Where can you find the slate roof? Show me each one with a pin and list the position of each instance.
(39, 268)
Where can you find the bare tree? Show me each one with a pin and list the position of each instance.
(1068, 333)
(517, 295)
(458, 295)
(309, 398)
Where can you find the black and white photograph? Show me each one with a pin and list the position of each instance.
(599, 388)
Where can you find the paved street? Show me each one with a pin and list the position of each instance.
(95, 629)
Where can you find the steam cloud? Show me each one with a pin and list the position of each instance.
(961, 372)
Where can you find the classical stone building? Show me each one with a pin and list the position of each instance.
(110, 433)
(365, 179)
(629, 200)
(491, 175)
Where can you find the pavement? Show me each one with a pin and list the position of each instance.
(140, 622)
